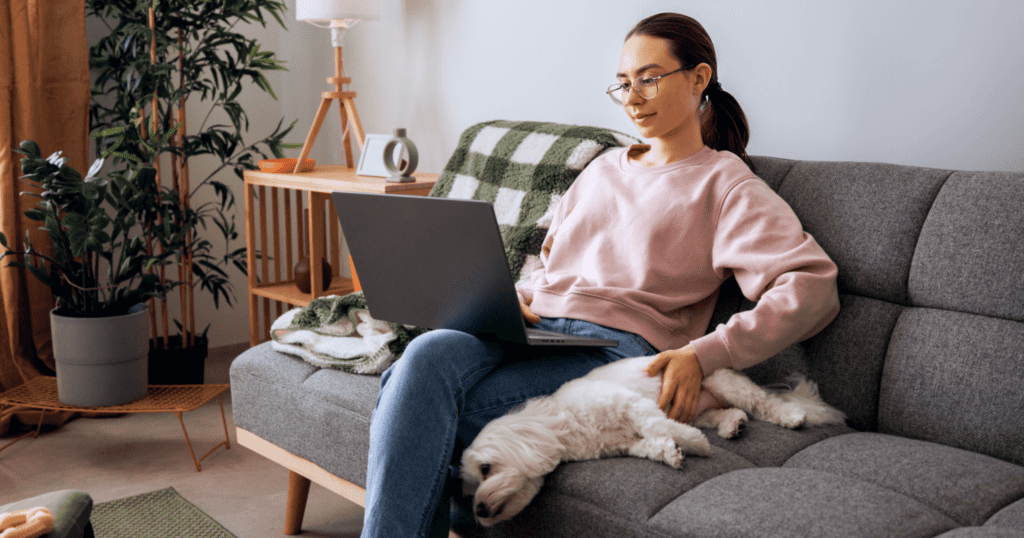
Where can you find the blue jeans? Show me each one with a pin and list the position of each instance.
(436, 399)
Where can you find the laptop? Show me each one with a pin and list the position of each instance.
(438, 263)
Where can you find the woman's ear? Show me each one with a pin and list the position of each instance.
(701, 78)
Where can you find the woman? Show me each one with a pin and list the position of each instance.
(636, 252)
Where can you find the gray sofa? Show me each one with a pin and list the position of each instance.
(926, 358)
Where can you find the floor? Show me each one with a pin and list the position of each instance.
(115, 457)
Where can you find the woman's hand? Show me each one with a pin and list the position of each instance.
(528, 314)
(681, 379)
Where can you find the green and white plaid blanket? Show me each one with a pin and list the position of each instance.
(523, 168)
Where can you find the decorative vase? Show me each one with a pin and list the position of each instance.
(101, 361)
(402, 173)
(175, 365)
(303, 278)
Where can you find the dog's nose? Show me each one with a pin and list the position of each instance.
(483, 511)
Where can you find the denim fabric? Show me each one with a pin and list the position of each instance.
(440, 394)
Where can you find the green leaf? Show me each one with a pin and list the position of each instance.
(78, 239)
(91, 191)
(30, 149)
(74, 221)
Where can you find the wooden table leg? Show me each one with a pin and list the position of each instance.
(298, 492)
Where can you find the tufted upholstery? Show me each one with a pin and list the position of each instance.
(926, 358)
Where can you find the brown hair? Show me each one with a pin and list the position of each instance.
(723, 125)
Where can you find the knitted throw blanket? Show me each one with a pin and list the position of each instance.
(522, 168)
(338, 332)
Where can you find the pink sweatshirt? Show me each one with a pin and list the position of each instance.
(645, 250)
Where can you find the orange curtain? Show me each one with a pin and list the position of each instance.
(44, 96)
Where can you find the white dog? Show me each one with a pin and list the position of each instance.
(613, 411)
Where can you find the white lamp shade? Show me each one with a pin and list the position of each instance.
(325, 10)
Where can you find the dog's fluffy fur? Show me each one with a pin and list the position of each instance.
(613, 411)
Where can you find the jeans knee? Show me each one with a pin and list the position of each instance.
(442, 354)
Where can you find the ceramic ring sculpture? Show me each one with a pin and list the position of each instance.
(403, 174)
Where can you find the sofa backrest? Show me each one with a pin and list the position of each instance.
(929, 342)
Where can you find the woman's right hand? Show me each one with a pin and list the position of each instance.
(528, 314)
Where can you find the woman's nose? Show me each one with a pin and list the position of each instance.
(632, 96)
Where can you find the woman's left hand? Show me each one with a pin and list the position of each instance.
(681, 379)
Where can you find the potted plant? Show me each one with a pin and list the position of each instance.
(158, 57)
(98, 269)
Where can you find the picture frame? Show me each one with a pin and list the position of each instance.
(371, 159)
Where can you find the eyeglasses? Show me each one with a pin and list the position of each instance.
(645, 86)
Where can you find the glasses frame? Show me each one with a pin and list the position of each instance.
(630, 86)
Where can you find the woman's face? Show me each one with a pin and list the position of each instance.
(675, 109)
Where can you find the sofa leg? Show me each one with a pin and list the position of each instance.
(298, 492)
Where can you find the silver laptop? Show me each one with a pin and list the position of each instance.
(438, 263)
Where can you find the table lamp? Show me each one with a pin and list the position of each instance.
(338, 15)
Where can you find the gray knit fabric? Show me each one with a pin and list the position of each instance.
(956, 379)
(71, 511)
(797, 503)
(767, 445)
(636, 489)
(772, 170)
(970, 256)
(867, 217)
(926, 358)
(982, 532)
(845, 359)
(965, 486)
(1011, 517)
(322, 415)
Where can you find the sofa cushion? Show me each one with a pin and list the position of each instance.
(774, 502)
(969, 256)
(772, 170)
(965, 486)
(845, 359)
(634, 488)
(956, 379)
(768, 445)
(71, 512)
(1011, 517)
(867, 217)
(982, 532)
(321, 415)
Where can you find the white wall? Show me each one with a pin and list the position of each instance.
(935, 83)
(931, 82)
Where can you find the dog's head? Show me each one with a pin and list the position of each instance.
(501, 490)
(505, 465)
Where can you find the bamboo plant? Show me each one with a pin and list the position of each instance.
(159, 56)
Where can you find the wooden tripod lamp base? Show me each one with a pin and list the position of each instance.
(349, 115)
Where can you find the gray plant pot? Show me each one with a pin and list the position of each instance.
(101, 361)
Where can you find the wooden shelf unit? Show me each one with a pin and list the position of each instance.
(274, 204)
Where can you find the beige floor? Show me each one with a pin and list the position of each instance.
(117, 457)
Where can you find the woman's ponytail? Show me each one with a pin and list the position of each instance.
(723, 124)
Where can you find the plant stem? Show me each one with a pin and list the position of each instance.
(224, 165)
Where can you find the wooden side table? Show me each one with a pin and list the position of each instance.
(275, 241)
(41, 393)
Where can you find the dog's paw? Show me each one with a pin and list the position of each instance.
(670, 453)
(733, 422)
(791, 416)
(692, 441)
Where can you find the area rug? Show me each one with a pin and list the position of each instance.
(158, 514)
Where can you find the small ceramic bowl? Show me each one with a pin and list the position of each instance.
(285, 166)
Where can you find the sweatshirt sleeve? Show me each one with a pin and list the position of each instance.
(557, 214)
(760, 241)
